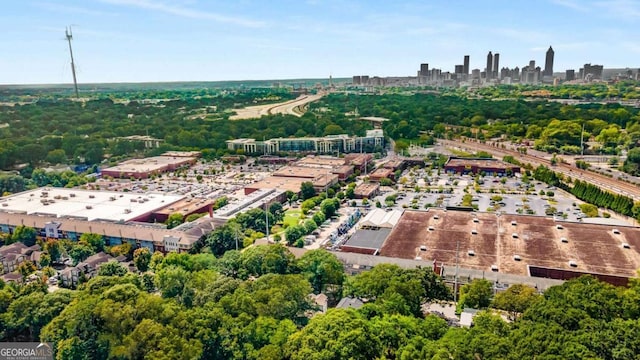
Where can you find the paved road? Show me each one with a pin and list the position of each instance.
(615, 186)
(292, 107)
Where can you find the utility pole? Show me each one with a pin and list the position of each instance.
(69, 37)
(266, 217)
(455, 277)
(582, 142)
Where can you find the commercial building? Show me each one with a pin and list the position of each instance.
(374, 139)
(87, 205)
(591, 72)
(382, 173)
(366, 190)
(465, 66)
(548, 62)
(477, 166)
(488, 70)
(516, 244)
(154, 238)
(147, 167)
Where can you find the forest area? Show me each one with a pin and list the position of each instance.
(256, 305)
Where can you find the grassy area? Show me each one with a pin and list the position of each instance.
(292, 216)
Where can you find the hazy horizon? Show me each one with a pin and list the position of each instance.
(144, 41)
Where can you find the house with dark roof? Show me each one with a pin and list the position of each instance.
(71, 276)
(11, 256)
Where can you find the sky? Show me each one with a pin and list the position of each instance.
(212, 40)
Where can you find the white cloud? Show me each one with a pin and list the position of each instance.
(70, 9)
(186, 12)
(572, 4)
(627, 9)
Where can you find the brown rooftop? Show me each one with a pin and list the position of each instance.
(538, 242)
(481, 163)
(301, 172)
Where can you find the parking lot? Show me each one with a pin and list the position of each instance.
(422, 188)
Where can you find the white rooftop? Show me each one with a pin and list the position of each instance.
(92, 205)
(381, 218)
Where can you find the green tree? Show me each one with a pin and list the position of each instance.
(142, 258)
(171, 281)
(324, 272)
(267, 259)
(25, 235)
(307, 191)
(515, 300)
(95, 241)
(477, 294)
(80, 252)
(277, 211)
(328, 207)
(226, 237)
(338, 334)
(112, 268)
(293, 233)
(174, 220)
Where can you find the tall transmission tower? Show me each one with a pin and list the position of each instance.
(69, 36)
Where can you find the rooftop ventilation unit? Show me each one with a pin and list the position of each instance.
(471, 253)
(514, 223)
(626, 246)
(423, 248)
(564, 240)
(572, 263)
(494, 268)
(474, 232)
(616, 231)
(516, 257)
(476, 220)
(559, 227)
(430, 228)
(436, 217)
(514, 235)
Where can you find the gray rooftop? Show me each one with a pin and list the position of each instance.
(368, 239)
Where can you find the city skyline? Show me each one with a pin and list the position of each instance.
(188, 40)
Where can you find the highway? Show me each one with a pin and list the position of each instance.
(295, 107)
(604, 182)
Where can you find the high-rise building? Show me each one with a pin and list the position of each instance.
(570, 75)
(592, 72)
(424, 69)
(489, 67)
(548, 63)
(496, 63)
(465, 68)
(459, 69)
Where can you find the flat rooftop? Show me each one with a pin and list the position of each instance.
(185, 206)
(182, 153)
(301, 172)
(538, 241)
(368, 239)
(280, 183)
(156, 163)
(381, 173)
(366, 188)
(481, 163)
(320, 161)
(92, 205)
